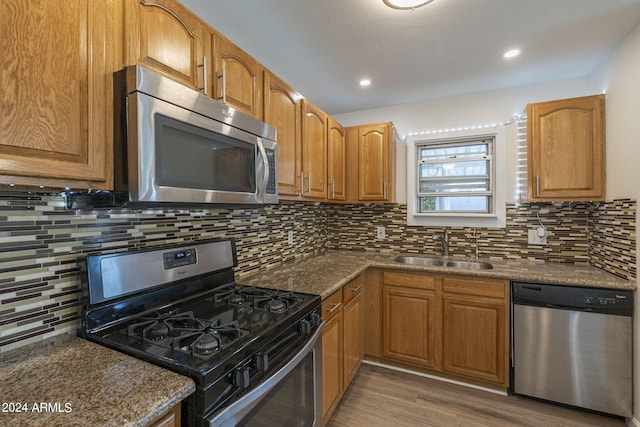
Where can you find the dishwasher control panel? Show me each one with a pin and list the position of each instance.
(608, 301)
(596, 299)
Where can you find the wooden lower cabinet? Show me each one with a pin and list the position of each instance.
(473, 343)
(475, 328)
(332, 355)
(409, 325)
(455, 325)
(170, 419)
(353, 337)
(342, 344)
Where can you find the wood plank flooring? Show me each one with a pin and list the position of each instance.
(384, 397)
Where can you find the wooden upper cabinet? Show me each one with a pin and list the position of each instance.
(238, 78)
(336, 160)
(373, 161)
(165, 36)
(314, 151)
(372, 148)
(566, 149)
(282, 109)
(56, 93)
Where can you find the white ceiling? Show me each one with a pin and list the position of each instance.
(449, 47)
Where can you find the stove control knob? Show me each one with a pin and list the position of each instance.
(241, 378)
(262, 362)
(315, 319)
(305, 326)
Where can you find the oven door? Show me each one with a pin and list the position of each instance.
(292, 396)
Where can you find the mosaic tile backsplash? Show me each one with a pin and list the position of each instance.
(41, 241)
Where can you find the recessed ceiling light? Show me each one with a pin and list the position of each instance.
(512, 53)
(406, 4)
(365, 82)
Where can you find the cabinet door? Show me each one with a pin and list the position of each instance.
(282, 109)
(165, 36)
(353, 338)
(238, 78)
(374, 180)
(408, 329)
(56, 93)
(314, 151)
(336, 158)
(566, 149)
(171, 419)
(473, 337)
(331, 365)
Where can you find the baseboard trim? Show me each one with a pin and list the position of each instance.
(632, 422)
(435, 377)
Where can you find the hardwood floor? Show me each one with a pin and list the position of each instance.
(384, 397)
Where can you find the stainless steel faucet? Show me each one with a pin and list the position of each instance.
(444, 239)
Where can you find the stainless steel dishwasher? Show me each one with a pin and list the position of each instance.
(573, 345)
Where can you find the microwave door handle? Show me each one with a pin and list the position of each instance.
(262, 189)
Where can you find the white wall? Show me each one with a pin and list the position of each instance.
(476, 109)
(619, 77)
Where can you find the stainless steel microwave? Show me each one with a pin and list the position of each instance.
(174, 145)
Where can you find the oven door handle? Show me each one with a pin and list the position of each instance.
(234, 413)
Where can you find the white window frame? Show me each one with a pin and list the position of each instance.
(496, 219)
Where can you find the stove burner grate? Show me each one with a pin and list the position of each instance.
(209, 339)
(159, 327)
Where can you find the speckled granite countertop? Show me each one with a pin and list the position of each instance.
(82, 383)
(324, 274)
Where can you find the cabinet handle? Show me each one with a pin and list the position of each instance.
(223, 76)
(333, 189)
(301, 183)
(204, 75)
(309, 186)
(356, 289)
(334, 308)
(537, 186)
(384, 190)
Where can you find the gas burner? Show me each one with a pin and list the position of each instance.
(208, 340)
(277, 305)
(235, 299)
(278, 302)
(156, 331)
(161, 326)
(207, 343)
(239, 295)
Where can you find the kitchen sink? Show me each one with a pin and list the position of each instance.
(418, 260)
(438, 262)
(470, 265)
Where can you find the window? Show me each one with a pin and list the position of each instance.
(457, 178)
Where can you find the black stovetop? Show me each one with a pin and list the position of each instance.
(197, 335)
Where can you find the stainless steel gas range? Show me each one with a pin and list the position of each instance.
(254, 353)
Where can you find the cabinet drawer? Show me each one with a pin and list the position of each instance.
(409, 280)
(332, 305)
(351, 289)
(469, 286)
